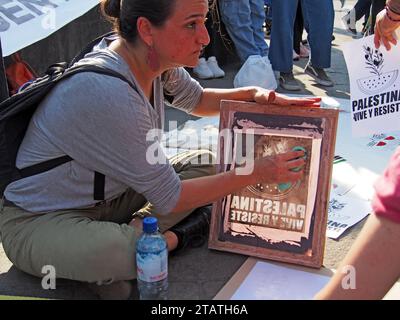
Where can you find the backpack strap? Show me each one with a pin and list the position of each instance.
(89, 47)
(44, 166)
(96, 69)
(99, 186)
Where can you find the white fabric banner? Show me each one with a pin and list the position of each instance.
(374, 86)
(24, 22)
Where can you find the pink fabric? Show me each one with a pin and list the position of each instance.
(386, 202)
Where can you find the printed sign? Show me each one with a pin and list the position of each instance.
(374, 86)
(24, 22)
(344, 212)
(283, 221)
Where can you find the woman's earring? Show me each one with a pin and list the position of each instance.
(152, 59)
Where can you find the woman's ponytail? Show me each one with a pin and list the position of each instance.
(111, 9)
(123, 14)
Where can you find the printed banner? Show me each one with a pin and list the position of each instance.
(24, 22)
(374, 86)
(345, 211)
(350, 197)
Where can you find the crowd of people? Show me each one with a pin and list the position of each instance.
(244, 21)
(156, 40)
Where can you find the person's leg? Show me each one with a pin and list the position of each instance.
(281, 47)
(202, 71)
(362, 8)
(75, 242)
(320, 30)
(298, 29)
(257, 21)
(210, 52)
(236, 16)
(377, 6)
(210, 49)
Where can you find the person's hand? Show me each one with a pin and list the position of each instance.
(384, 29)
(264, 96)
(279, 168)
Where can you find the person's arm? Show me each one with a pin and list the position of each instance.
(394, 5)
(375, 257)
(201, 191)
(209, 104)
(375, 254)
(387, 21)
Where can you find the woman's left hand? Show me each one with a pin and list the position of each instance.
(264, 96)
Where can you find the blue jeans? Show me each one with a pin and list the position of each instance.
(318, 19)
(244, 21)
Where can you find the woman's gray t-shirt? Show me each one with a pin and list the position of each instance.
(102, 123)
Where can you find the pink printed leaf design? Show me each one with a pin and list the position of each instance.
(390, 138)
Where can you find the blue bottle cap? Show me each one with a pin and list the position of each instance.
(150, 224)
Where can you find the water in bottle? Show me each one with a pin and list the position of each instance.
(152, 262)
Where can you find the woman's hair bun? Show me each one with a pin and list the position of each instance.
(111, 8)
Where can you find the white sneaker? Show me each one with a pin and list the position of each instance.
(349, 21)
(202, 70)
(214, 67)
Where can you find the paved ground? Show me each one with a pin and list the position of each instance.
(201, 273)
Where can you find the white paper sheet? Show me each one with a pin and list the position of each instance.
(345, 211)
(24, 23)
(279, 281)
(272, 281)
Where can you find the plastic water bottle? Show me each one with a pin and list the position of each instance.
(152, 262)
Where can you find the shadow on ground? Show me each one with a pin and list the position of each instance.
(17, 283)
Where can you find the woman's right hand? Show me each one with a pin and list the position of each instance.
(279, 168)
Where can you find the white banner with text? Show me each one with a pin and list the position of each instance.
(24, 22)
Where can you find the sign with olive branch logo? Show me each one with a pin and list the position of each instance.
(374, 87)
(379, 80)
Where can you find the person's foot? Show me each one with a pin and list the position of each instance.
(193, 230)
(118, 290)
(288, 82)
(212, 64)
(202, 70)
(349, 22)
(319, 75)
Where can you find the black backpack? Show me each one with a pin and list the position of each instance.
(16, 113)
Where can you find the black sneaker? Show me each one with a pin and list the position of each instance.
(193, 230)
(288, 82)
(319, 75)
